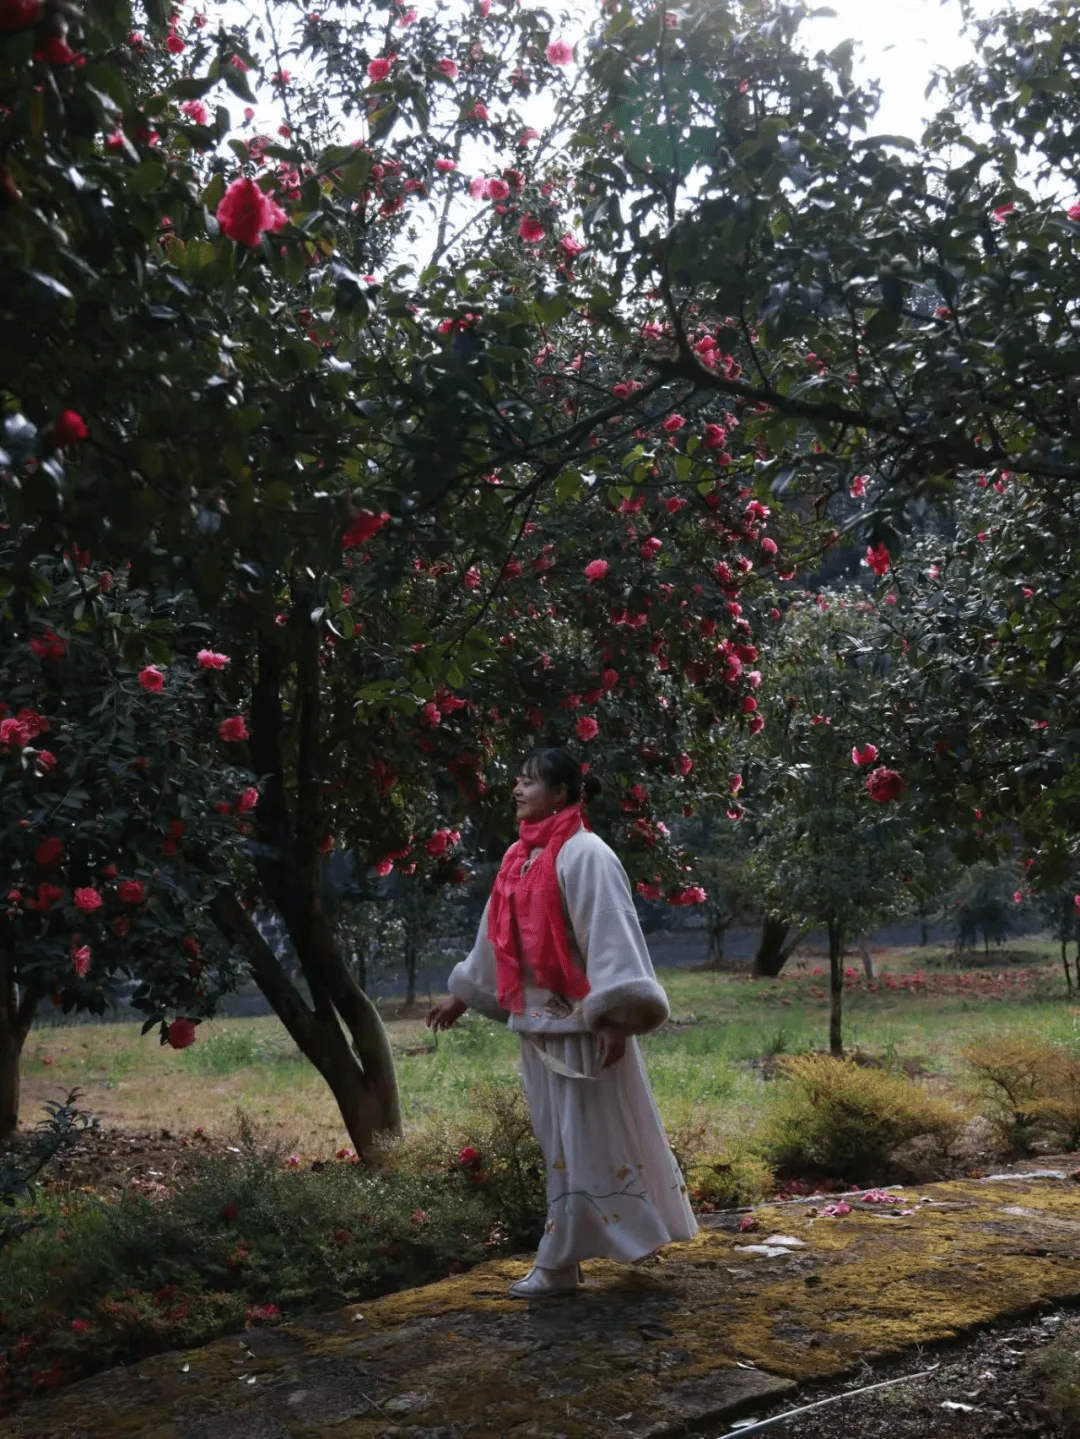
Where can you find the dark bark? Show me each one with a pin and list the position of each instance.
(867, 957)
(776, 944)
(836, 990)
(341, 1031)
(410, 966)
(17, 1010)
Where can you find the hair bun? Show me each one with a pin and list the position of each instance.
(591, 787)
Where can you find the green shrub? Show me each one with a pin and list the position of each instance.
(1058, 1366)
(835, 1118)
(722, 1171)
(250, 1238)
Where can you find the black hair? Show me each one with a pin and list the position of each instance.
(558, 766)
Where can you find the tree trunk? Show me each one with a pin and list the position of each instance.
(836, 990)
(867, 957)
(16, 1015)
(410, 967)
(776, 944)
(341, 1031)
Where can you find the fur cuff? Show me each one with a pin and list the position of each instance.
(640, 1004)
(482, 1000)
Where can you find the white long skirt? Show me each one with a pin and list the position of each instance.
(614, 1189)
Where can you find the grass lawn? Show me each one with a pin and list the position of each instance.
(921, 1007)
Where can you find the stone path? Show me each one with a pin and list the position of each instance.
(686, 1342)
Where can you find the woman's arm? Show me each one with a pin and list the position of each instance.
(624, 994)
(473, 982)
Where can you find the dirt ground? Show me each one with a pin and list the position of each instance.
(984, 1387)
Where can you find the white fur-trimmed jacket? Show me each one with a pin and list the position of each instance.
(605, 940)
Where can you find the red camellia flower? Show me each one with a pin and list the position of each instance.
(692, 894)
(866, 755)
(885, 784)
(87, 899)
(54, 50)
(49, 853)
(191, 946)
(362, 526)
(47, 896)
(586, 728)
(858, 486)
(560, 52)
(448, 68)
(152, 679)
(378, 69)
(246, 211)
(68, 429)
(121, 926)
(247, 799)
(196, 112)
(132, 891)
(211, 660)
(445, 165)
(19, 14)
(233, 729)
(49, 646)
(531, 230)
(180, 1033)
(45, 760)
(673, 423)
(469, 1155)
(80, 960)
(596, 569)
(441, 840)
(878, 558)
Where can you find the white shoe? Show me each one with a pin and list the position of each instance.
(546, 1283)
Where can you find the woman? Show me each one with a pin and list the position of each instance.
(560, 956)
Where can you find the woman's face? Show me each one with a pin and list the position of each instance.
(534, 800)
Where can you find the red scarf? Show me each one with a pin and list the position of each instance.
(526, 915)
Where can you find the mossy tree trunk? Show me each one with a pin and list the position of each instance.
(340, 1031)
(836, 989)
(17, 1008)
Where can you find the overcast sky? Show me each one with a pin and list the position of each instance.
(899, 42)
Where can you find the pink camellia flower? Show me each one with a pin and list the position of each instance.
(379, 68)
(768, 547)
(484, 6)
(384, 867)
(479, 110)
(884, 784)
(531, 230)
(362, 526)
(233, 729)
(174, 44)
(749, 704)
(570, 247)
(757, 724)
(673, 423)
(211, 660)
(180, 1033)
(714, 437)
(432, 714)
(560, 52)
(245, 212)
(692, 894)
(858, 486)
(152, 679)
(247, 799)
(866, 755)
(345, 1153)
(1018, 896)
(1076, 900)
(528, 136)
(586, 728)
(447, 67)
(68, 429)
(196, 112)
(132, 891)
(596, 569)
(293, 1161)
(1073, 211)
(471, 579)
(45, 760)
(735, 783)
(445, 165)
(878, 558)
(1001, 213)
(80, 960)
(87, 899)
(648, 891)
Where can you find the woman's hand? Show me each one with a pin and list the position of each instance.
(445, 1013)
(611, 1042)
